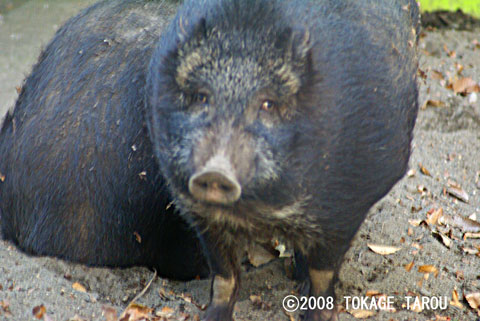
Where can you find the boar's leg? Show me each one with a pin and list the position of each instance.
(318, 270)
(226, 278)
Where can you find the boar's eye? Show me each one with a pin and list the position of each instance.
(200, 98)
(268, 105)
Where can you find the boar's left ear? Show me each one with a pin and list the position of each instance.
(188, 29)
(297, 44)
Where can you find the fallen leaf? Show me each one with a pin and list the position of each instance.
(465, 85)
(451, 54)
(109, 313)
(432, 103)
(437, 75)
(371, 293)
(423, 170)
(445, 239)
(455, 302)
(470, 250)
(415, 222)
(457, 191)
(433, 218)
(428, 269)
(39, 311)
(2, 177)
(459, 68)
(409, 266)
(166, 312)
(137, 312)
(464, 223)
(473, 300)
(362, 314)
(383, 249)
(78, 287)
(471, 236)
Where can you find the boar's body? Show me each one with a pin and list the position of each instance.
(81, 181)
(287, 118)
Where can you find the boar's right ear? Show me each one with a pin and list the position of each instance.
(300, 44)
(296, 44)
(188, 29)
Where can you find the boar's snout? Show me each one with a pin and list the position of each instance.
(215, 186)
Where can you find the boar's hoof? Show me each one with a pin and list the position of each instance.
(321, 315)
(218, 313)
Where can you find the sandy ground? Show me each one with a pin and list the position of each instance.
(445, 161)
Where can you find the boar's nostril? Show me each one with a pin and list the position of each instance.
(214, 186)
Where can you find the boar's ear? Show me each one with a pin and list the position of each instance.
(301, 44)
(188, 29)
(296, 43)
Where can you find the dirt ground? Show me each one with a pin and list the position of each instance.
(423, 217)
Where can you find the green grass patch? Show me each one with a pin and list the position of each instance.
(471, 7)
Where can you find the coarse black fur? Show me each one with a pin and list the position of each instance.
(342, 79)
(81, 181)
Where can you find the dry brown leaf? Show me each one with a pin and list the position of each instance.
(78, 287)
(409, 266)
(473, 300)
(371, 293)
(362, 314)
(471, 236)
(470, 250)
(39, 311)
(109, 313)
(457, 191)
(437, 75)
(137, 312)
(433, 218)
(459, 68)
(423, 170)
(415, 222)
(451, 54)
(417, 246)
(445, 239)
(432, 103)
(465, 85)
(383, 249)
(455, 301)
(428, 269)
(464, 223)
